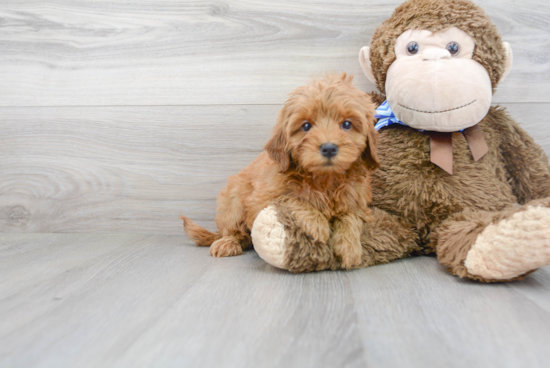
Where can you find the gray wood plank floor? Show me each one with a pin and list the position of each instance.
(93, 300)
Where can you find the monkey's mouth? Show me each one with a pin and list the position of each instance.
(437, 112)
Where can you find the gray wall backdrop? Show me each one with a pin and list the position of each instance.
(118, 116)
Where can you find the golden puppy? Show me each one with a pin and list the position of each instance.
(317, 161)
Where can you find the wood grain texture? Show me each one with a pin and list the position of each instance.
(81, 52)
(461, 323)
(136, 169)
(122, 169)
(93, 300)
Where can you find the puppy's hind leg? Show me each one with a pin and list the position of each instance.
(235, 235)
(230, 245)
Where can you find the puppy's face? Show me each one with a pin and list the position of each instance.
(325, 127)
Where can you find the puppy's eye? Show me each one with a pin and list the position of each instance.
(306, 126)
(346, 125)
(412, 48)
(453, 48)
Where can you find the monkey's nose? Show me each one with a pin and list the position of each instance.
(329, 150)
(436, 54)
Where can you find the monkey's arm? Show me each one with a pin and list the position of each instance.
(526, 162)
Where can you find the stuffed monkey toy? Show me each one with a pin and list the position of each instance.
(459, 178)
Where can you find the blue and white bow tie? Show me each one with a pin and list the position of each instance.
(386, 116)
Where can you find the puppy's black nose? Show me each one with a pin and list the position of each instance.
(329, 150)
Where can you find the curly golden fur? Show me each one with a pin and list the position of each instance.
(327, 196)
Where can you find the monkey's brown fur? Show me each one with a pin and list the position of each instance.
(327, 197)
(417, 207)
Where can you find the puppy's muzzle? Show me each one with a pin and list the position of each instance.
(329, 150)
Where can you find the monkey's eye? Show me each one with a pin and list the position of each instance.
(453, 48)
(306, 126)
(346, 125)
(412, 48)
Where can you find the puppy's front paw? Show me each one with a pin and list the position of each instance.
(318, 230)
(349, 254)
(226, 247)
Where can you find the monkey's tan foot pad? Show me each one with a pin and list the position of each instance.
(268, 237)
(512, 247)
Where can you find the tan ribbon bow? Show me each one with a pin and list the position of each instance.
(441, 147)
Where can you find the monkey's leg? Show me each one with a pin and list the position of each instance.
(385, 239)
(495, 246)
(281, 242)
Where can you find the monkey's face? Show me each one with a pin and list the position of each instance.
(434, 84)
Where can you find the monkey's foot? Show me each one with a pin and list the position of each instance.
(513, 246)
(268, 237)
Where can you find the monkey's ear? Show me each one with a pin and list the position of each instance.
(508, 62)
(370, 154)
(364, 60)
(276, 147)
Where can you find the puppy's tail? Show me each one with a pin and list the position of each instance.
(201, 236)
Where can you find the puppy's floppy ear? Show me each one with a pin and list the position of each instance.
(276, 145)
(370, 154)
